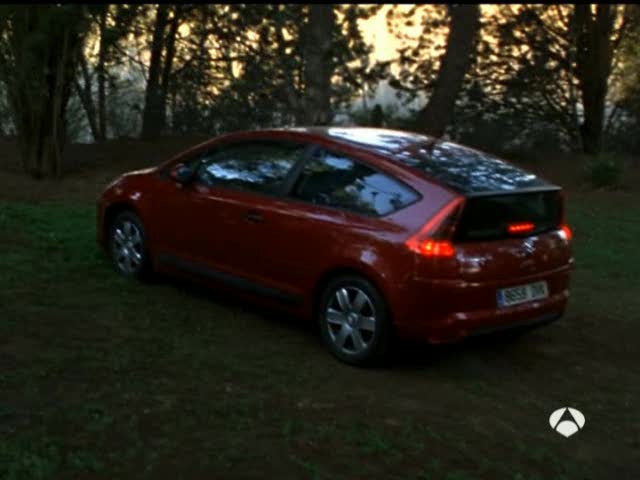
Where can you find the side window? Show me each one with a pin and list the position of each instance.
(337, 181)
(258, 166)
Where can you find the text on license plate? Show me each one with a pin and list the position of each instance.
(522, 293)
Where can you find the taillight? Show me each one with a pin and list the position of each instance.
(433, 239)
(564, 228)
(436, 248)
(566, 231)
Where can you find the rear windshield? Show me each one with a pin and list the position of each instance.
(488, 218)
(466, 170)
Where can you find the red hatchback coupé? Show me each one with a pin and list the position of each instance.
(372, 232)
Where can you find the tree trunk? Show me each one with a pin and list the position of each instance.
(594, 59)
(39, 82)
(463, 29)
(318, 68)
(86, 98)
(288, 93)
(56, 90)
(101, 73)
(168, 65)
(151, 121)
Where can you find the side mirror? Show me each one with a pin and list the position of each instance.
(181, 173)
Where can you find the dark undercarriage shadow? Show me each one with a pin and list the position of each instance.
(409, 355)
(233, 301)
(404, 355)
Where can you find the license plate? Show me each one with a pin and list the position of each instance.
(521, 294)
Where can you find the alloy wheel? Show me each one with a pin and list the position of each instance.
(127, 246)
(351, 320)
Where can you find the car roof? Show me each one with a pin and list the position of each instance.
(463, 169)
(381, 139)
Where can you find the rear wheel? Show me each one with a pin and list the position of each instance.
(354, 321)
(127, 242)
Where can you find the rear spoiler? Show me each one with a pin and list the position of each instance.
(518, 191)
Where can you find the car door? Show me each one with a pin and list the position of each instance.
(189, 220)
(178, 213)
(333, 204)
(222, 211)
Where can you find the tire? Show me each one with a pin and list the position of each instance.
(356, 328)
(128, 246)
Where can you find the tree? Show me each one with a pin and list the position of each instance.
(151, 117)
(39, 48)
(553, 63)
(318, 64)
(538, 71)
(163, 47)
(437, 42)
(101, 72)
(595, 44)
(246, 66)
(109, 26)
(464, 26)
(85, 94)
(623, 121)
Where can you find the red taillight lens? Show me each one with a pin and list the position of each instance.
(436, 248)
(566, 231)
(433, 238)
(564, 228)
(522, 227)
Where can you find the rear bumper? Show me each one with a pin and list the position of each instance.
(447, 311)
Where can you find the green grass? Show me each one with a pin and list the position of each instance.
(107, 378)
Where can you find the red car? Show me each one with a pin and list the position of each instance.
(372, 232)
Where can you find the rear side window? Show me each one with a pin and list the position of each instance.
(258, 166)
(337, 181)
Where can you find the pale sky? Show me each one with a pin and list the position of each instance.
(385, 43)
(376, 32)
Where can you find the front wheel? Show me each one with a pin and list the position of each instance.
(354, 321)
(128, 247)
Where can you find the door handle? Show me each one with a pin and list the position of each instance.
(253, 216)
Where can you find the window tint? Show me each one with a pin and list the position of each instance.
(256, 166)
(337, 181)
(487, 218)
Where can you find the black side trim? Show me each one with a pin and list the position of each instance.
(538, 321)
(232, 280)
(294, 173)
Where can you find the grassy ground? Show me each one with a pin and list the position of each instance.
(103, 378)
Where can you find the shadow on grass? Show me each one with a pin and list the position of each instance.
(235, 301)
(412, 354)
(404, 355)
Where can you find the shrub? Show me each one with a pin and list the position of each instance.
(603, 172)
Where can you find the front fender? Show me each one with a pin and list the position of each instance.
(126, 193)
